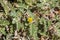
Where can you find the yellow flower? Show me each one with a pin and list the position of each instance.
(30, 20)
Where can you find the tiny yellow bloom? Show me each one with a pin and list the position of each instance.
(30, 20)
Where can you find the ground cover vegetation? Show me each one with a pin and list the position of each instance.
(29, 19)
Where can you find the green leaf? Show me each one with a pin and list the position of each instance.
(31, 2)
(33, 31)
(2, 30)
(5, 6)
(13, 14)
(4, 22)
